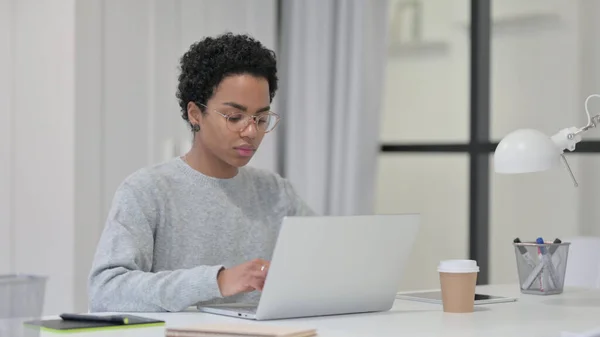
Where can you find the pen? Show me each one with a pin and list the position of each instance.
(95, 318)
(531, 263)
(556, 260)
(525, 253)
(547, 262)
(544, 271)
(533, 276)
(537, 270)
(554, 248)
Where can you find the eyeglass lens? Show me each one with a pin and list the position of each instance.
(239, 121)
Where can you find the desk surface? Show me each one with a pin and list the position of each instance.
(576, 310)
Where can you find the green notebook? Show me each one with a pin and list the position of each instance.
(73, 326)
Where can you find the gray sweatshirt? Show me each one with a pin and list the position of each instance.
(171, 229)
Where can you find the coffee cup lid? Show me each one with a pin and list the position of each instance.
(458, 266)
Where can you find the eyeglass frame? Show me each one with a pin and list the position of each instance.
(253, 117)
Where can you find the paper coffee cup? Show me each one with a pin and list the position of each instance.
(458, 279)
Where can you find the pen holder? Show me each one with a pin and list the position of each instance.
(21, 299)
(541, 267)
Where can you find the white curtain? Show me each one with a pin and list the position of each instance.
(333, 57)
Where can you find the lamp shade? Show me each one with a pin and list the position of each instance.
(526, 150)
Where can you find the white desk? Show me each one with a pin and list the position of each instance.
(576, 310)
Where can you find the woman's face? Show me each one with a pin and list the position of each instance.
(229, 142)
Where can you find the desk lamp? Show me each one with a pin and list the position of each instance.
(529, 150)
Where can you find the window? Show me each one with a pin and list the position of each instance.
(460, 75)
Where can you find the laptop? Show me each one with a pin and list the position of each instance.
(332, 265)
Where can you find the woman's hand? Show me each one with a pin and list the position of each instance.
(246, 277)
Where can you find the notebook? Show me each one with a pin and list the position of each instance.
(62, 326)
(239, 330)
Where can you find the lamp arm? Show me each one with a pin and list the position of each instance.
(592, 121)
(566, 139)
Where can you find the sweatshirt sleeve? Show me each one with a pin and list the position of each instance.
(121, 279)
(297, 206)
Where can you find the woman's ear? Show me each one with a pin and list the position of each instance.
(194, 113)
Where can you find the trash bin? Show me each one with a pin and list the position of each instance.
(21, 299)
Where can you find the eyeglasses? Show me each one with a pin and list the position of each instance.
(238, 121)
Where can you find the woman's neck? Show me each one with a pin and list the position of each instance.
(208, 164)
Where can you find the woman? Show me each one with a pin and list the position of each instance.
(201, 228)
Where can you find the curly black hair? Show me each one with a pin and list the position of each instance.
(210, 60)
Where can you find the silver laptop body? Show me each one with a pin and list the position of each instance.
(331, 265)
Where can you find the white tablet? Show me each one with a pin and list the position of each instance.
(436, 297)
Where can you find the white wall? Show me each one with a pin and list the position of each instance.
(544, 64)
(589, 71)
(142, 43)
(6, 117)
(43, 144)
(87, 96)
(89, 133)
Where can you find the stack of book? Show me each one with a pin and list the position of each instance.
(239, 330)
